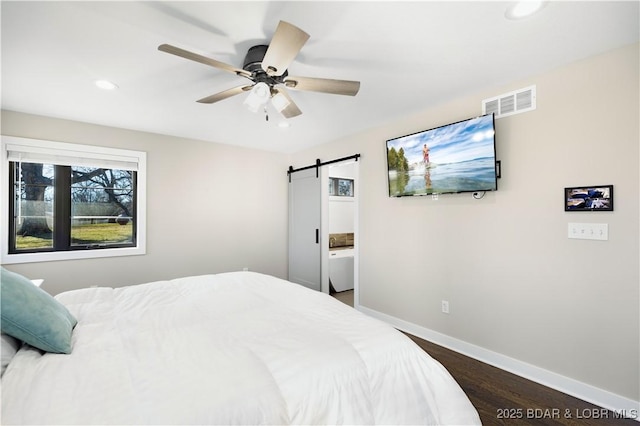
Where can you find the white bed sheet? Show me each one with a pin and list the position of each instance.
(234, 348)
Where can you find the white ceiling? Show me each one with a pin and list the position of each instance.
(409, 56)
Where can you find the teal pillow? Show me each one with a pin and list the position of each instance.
(33, 316)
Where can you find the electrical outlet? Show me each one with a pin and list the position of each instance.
(445, 306)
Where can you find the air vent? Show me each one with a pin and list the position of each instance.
(511, 103)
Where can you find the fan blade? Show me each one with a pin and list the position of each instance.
(324, 85)
(291, 109)
(203, 60)
(225, 94)
(284, 47)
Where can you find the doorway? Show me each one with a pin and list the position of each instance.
(340, 230)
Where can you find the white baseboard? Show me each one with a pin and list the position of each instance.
(600, 397)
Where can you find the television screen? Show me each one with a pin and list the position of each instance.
(458, 157)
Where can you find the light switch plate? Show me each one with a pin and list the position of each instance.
(589, 231)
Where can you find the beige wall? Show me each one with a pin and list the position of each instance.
(515, 283)
(210, 208)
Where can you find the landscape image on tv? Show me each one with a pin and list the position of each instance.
(458, 157)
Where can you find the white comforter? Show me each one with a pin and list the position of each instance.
(236, 348)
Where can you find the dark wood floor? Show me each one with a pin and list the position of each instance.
(503, 398)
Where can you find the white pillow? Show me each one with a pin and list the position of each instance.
(9, 346)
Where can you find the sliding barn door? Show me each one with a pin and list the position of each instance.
(304, 228)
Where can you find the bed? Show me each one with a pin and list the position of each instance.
(230, 348)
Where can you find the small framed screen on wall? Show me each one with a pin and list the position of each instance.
(588, 198)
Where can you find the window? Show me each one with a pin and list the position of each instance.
(68, 201)
(341, 187)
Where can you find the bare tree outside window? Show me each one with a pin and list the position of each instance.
(101, 205)
(99, 199)
(34, 191)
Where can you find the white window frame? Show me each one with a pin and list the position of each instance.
(60, 152)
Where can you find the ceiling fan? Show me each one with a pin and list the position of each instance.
(266, 66)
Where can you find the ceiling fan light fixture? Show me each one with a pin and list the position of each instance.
(258, 96)
(280, 101)
(266, 65)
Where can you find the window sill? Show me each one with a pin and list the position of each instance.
(8, 259)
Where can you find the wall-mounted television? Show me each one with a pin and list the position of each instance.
(457, 157)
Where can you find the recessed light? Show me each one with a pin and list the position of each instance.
(283, 124)
(523, 9)
(106, 85)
